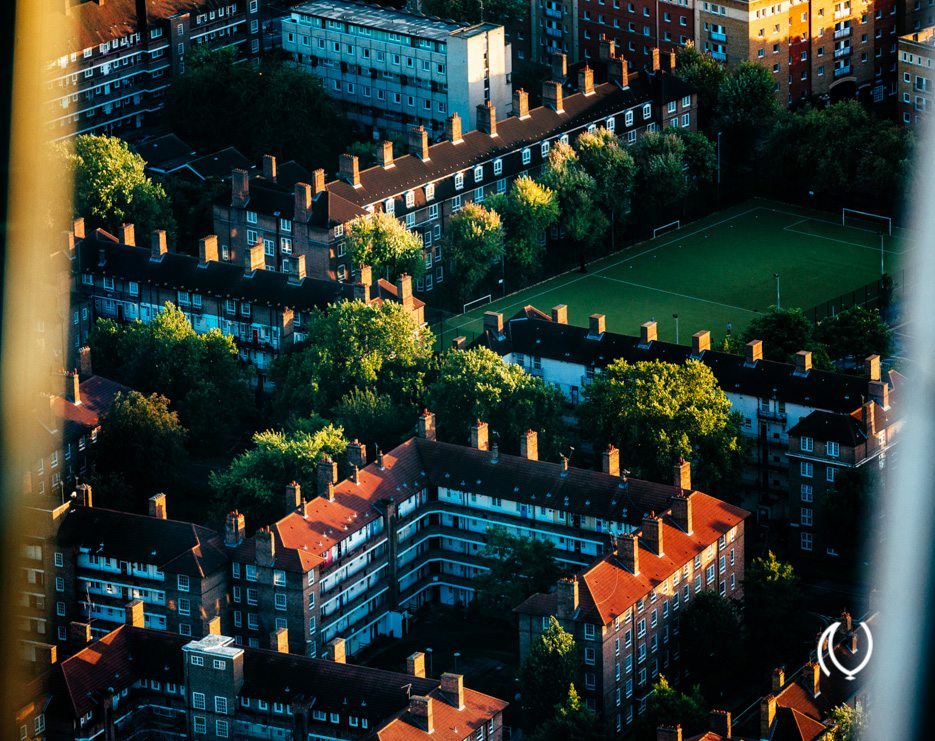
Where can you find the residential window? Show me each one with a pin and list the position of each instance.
(479, 174)
(806, 469)
(545, 149)
(200, 724)
(589, 631)
(805, 541)
(527, 156)
(430, 193)
(219, 664)
(830, 474)
(647, 111)
(832, 449)
(198, 660)
(220, 704)
(251, 217)
(183, 583)
(806, 492)
(280, 601)
(806, 444)
(185, 607)
(286, 245)
(222, 728)
(198, 700)
(410, 199)
(251, 572)
(806, 516)
(497, 170)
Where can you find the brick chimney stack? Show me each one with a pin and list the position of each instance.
(235, 528)
(618, 71)
(356, 453)
(559, 64)
(520, 103)
(78, 228)
(453, 129)
(607, 49)
(240, 187)
(610, 461)
(803, 362)
(279, 640)
(265, 547)
(671, 59)
(682, 478)
(336, 649)
(303, 201)
(453, 689)
(552, 96)
(701, 342)
(318, 181)
(813, 677)
(597, 325)
(479, 436)
(404, 290)
(655, 57)
(420, 712)
(327, 470)
(79, 633)
(73, 387)
(256, 257)
(648, 333)
(669, 733)
(293, 497)
(84, 496)
(720, 723)
(269, 167)
(349, 169)
(158, 507)
(872, 367)
(779, 679)
(419, 142)
(487, 118)
(158, 244)
(362, 286)
(628, 552)
(128, 235)
(586, 80)
(415, 664)
(754, 351)
(208, 249)
(385, 155)
(133, 614)
(680, 507)
(213, 626)
(879, 391)
(529, 445)
(567, 595)
(427, 425)
(767, 715)
(493, 323)
(85, 368)
(560, 314)
(652, 533)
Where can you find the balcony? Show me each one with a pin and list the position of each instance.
(718, 36)
(554, 32)
(841, 71)
(845, 13)
(842, 33)
(770, 414)
(842, 52)
(719, 56)
(553, 13)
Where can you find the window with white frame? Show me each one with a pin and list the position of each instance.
(806, 444)
(806, 469)
(389, 205)
(459, 180)
(430, 192)
(410, 199)
(647, 111)
(497, 168)
(527, 156)
(183, 582)
(198, 700)
(830, 474)
(479, 174)
(806, 492)
(545, 149)
(805, 541)
(832, 449)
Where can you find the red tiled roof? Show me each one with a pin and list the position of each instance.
(449, 722)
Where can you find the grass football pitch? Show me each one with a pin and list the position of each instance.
(714, 272)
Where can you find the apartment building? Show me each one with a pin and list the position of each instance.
(623, 611)
(635, 27)
(427, 184)
(265, 311)
(394, 69)
(137, 682)
(553, 29)
(80, 564)
(406, 529)
(916, 51)
(121, 56)
(772, 398)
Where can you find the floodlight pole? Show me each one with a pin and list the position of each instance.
(882, 271)
(778, 304)
(676, 317)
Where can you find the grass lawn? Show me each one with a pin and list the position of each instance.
(712, 272)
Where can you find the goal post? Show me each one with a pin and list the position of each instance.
(476, 303)
(856, 219)
(670, 227)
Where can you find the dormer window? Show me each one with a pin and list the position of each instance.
(429, 191)
(459, 180)
(497, 166)
(479, 174)
(389, 205)
(410, 199)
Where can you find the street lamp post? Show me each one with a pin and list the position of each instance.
(778, 304)
(676, 317)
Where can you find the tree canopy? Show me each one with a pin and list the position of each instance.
(265, 109)
(850, 723)
(705, 74)
(200, 373)
(854, 334)
(772, 610)
(140, 452)
(528, 209)
(476, 384)
(548, 672)
(112, 188)
(255, 481)
(518, 567)
(668, 706)
(784, 332)
(382, 241)
(357, 346)
(474, 243)
(659, 412)
(710, 651)
(571, 719)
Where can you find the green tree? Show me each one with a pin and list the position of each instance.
(371, 417)
(528, 209)
(192, 207)
(660, 180)
(843, 514)
(255, 481)
(201, 373)
(710, 651)
(476, 384)
(571, 719)
(772, 610)
(612, 168)
(784, 332)
(659, 412)
(381, 241)
(518, 567)
(548, 672)
(474, 243)
(356, 346)
(668, 706)
(747, 100)
(704, 73)
(856, 333)
(142, 443)
(111, 186)
(699, 157)
(265, 108)
(577, 192)
(850, 723)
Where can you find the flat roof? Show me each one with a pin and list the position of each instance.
(385, 19)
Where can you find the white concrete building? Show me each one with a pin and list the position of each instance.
(394, 69)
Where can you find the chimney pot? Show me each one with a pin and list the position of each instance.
(479, 436)
(560, 314)
(318, 181)
(453, 129)
(487, 118)
(701, 341)
(628, 552)
(754, 351)
(349, 169)
(529, 445)
(520, 103)
(552, 96)
(427, 425)
(157, 507)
